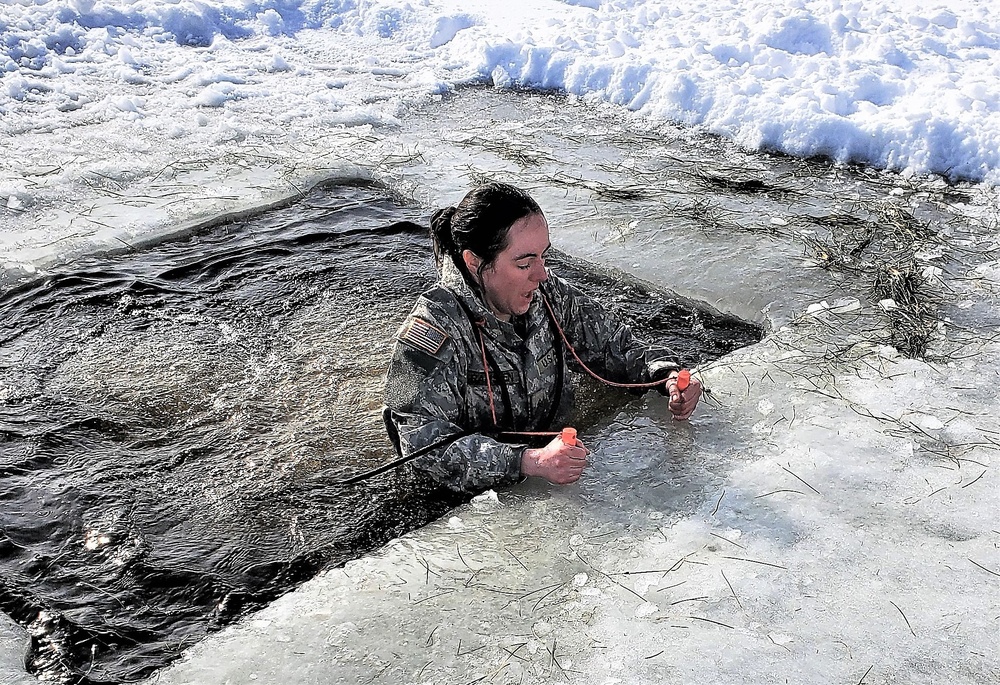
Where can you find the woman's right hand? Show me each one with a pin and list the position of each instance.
(557, 462)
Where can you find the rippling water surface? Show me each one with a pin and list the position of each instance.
(173, 422)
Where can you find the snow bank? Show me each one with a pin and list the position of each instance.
(909, 86)
(106, 96)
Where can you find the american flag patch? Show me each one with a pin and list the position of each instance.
(422, 335)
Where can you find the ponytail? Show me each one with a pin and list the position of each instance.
(441, 237)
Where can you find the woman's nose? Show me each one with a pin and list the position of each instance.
(539, 274)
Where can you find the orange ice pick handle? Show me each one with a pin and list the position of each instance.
(568, 436)
(683, 380)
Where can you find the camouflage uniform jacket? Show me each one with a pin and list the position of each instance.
(436, 385)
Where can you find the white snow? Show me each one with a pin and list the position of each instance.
(904, 84)
(834, 520)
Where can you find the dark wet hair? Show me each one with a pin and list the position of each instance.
(480, 223)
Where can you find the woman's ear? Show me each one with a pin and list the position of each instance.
(472, 262)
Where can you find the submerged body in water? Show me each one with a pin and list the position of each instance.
(498, 312)
(175, 423)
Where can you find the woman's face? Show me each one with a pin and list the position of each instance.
(510, 282)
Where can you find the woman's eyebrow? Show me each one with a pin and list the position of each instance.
(532, 254)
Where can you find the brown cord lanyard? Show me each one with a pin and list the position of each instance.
(489, 389)
(565, 340)
(562, 334)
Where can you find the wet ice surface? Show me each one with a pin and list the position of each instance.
(176, 422)
(703, 578)
(781, 536)
(828, 518)
(832, 512)
(750, 233)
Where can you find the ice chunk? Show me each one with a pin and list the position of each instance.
(931, 423)
(486, 499)
(844, 305)
(646, 609)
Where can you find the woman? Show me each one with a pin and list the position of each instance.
(481, 360)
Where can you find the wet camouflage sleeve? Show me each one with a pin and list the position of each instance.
(606, 345)
(424, 393)
(429, 399)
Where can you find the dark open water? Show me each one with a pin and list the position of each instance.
(173, 423)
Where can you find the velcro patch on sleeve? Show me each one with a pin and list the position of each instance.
(422, 335)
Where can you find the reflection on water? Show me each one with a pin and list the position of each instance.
(755, 234)
(173, 423)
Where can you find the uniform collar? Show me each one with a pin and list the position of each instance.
(454, 280)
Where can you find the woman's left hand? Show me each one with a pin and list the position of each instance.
(682, 403)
